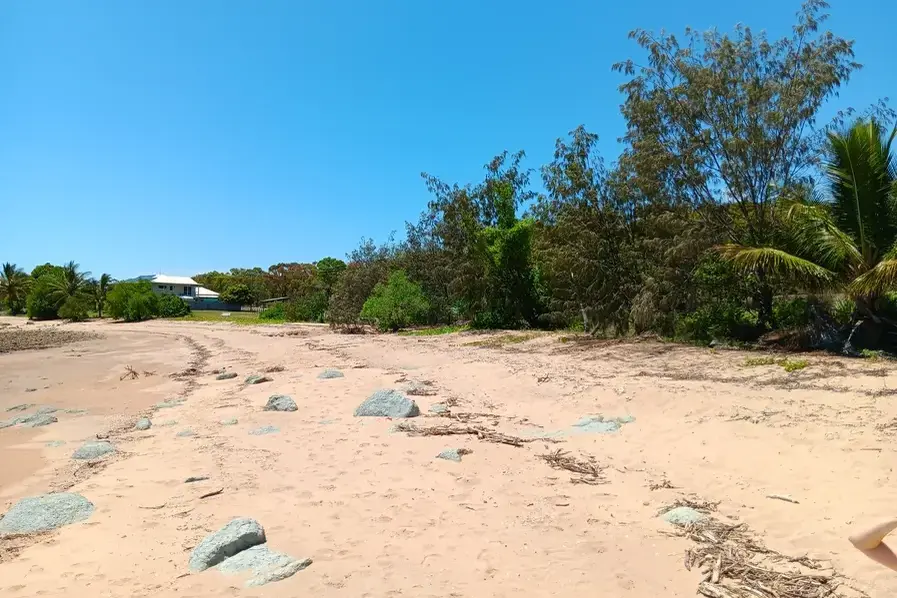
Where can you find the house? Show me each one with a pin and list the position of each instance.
(187, 289)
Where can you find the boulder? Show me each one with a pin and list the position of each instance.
(45, 512)
(143, 424)
(256, 379)
(266, 565)
(683, 516)
(39, 419)
(281, 403)
(330, 374)
(226, 376)
(236, 536)
(387, 403)
(93, 450)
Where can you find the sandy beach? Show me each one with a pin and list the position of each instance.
(380, 515)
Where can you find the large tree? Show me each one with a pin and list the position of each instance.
(726, 123)
(14, 284)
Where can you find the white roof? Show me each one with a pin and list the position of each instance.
(166, 279)
(204, 292)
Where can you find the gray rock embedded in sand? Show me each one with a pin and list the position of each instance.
(143, 424)
(281, 403)
(45, 512)
(188, 433)
(598, 424)
(170, 404)
(55, 443)
(387, 403)
(22, 407)
(236, 536)
(452, 455)
(265, 430)
(226, 376)
(256, 379)
(169, 423)
(39, 419)
(93, 450)
(229, 422)
(8, 423)
(330, 374)
(46, 409)
(76, 411)
(683, 516)
(266, 565)
(439, 408)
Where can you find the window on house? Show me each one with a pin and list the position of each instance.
(188, 291)
(161, 286)
(171, 288)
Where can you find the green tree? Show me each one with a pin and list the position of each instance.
(67, 281)
(843, 236)
(396, 304)
(132, 301)
(44, 269)
(237, 294)
(100, 291)
(328, 272)
(723, 123)
(75, 308)
(14, 284)
(171, 306)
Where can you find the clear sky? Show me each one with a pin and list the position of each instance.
(187, 135)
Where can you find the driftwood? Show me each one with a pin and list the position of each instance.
(590, 472)
(481, 432)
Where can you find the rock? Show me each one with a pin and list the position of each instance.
(22, 407)
(170, 403)
(169, 423)
(238, 535)
(8, 423)
(330, 374)
(40, 419)
(143, 424)
(76, 411)
(45, 512)
(55, 443)
(266, 565)
(229, 422)
(264, 430)
(597, 424)
(188, 433)
(439, 408)
(256, 379)
(196, 478)
(387, 403)
(46, 409)
(419, 389)
(93, 450)
(683, 516)
(281, 403)
(452, 454)
(226, 376)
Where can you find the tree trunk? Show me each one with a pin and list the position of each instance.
(765, 297)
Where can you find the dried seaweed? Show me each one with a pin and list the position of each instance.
(590, 472)
(481, 432)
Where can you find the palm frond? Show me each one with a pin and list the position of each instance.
(813, 230)
(781, 263)
(878, 280)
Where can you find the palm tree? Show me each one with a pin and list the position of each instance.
(67, 282)
(100, 288)
(847, 239)
(13, 287)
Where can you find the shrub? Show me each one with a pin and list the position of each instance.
(710, 322)
(310, 308)
(793, 313)
(171, 306)
(275, 312)
(843, 312)
(75, 309)
(237, 294)
(351, 291)
(42, 303)
(396, 304)
(132, 301)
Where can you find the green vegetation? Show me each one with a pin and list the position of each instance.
(438, 330)
(396, 304)
(789, 365)
(501, 340)
(132, 301)
(75, 308)
(731, 214)
(170, 306)
(234, 317)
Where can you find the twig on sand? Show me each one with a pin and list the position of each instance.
(735, 565)
(590, 472)
(481, 432)
(212, 493)
(129, 373)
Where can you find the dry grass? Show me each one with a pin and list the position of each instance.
(588, 470)
(734, 564)
(130, 373)
(481, 432)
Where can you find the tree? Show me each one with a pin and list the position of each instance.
(237, 294)
(328, 272)
(133, 301)
(14, 284)
(368, 265)
(724, 123)
(67, 281)
(75, 308)
(396, 304)
(843, 236)
(100, 290)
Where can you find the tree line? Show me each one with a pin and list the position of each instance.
(730, 213)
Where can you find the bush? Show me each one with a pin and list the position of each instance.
(310, 308)
(792, 313)
(275, 312)
(132, 301)
(171, 306)
(75, 309)
(351, 291)
(42, 303)
(396, 304)
(843, 312)
(710, 322)
(237, 294)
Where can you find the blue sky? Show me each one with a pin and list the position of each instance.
(183, 136)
